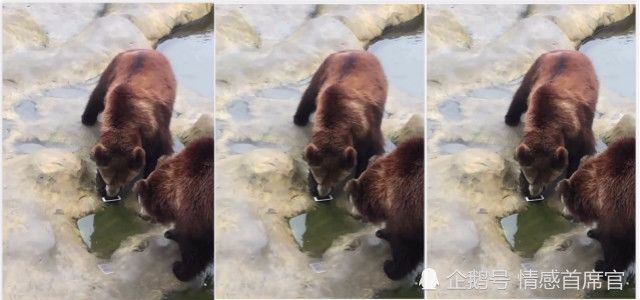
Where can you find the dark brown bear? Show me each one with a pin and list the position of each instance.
(136, 93)
(602, 191)
(180, 191)
(348, 93)
(391, 190)
(559, 94)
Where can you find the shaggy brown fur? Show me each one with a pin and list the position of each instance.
(136, 93)
(559, 94)
(391, 190)
(348, 93)
(602, 190)
(180, 191)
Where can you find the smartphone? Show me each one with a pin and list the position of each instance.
(328, 198)
(116, 199)
(540, 198)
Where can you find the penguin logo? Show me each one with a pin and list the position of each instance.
(429, 279)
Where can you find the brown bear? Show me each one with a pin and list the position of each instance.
(391, 190)
(602, 191)
(348, 93)
(136, 92)
(559, 94)
(180, 192)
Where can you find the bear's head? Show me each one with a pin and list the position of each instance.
(577, 193)
(366, 193)
(329, 167)
(117, 168)
(541, 166)
(154, 193)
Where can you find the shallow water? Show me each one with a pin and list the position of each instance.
(195, 70)
(405, 71)
(527, 230)
(612, 52)
(315, 230)
(104, 230)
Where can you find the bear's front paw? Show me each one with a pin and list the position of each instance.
(170, 234)
(300, 120)
(180, 271)
(382, 234)
(392, 270)
(89, 120)
(512, 120)
(600, 266)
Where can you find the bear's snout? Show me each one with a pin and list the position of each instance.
(112, 191)
(323, 190)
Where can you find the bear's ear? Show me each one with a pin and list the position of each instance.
(563, 186)
(351, 187)
(312, 155)
(162, 160)
(523, 155)
(349, 160)
(140, 187)
(372, 160)
(584, 158)
(560, 158)
(100, 154)
(136, 158)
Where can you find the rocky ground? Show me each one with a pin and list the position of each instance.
(265, 56)
(53, 55)
(477, 55)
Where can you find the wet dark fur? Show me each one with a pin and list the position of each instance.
(397, 179)
(347, 85)
(136, 90)
(557, 79)
(180, 191)
(602, 190)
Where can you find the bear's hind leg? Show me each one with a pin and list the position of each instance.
(519, 102)
(95, 105)
(195, 257)
(403, 260)
(307, 105)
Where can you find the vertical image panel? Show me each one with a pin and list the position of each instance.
(531, 151)
(319, 151)
(107, 151)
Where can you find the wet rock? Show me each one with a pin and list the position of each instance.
(368, 21)
(156, 20)
(579, 21)
(93, 48)
(203, 127)
(567, 252)
(625, 128)
(62, 21)
(20, 30)
(234, 31)
(445, 31)
(413, 128)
